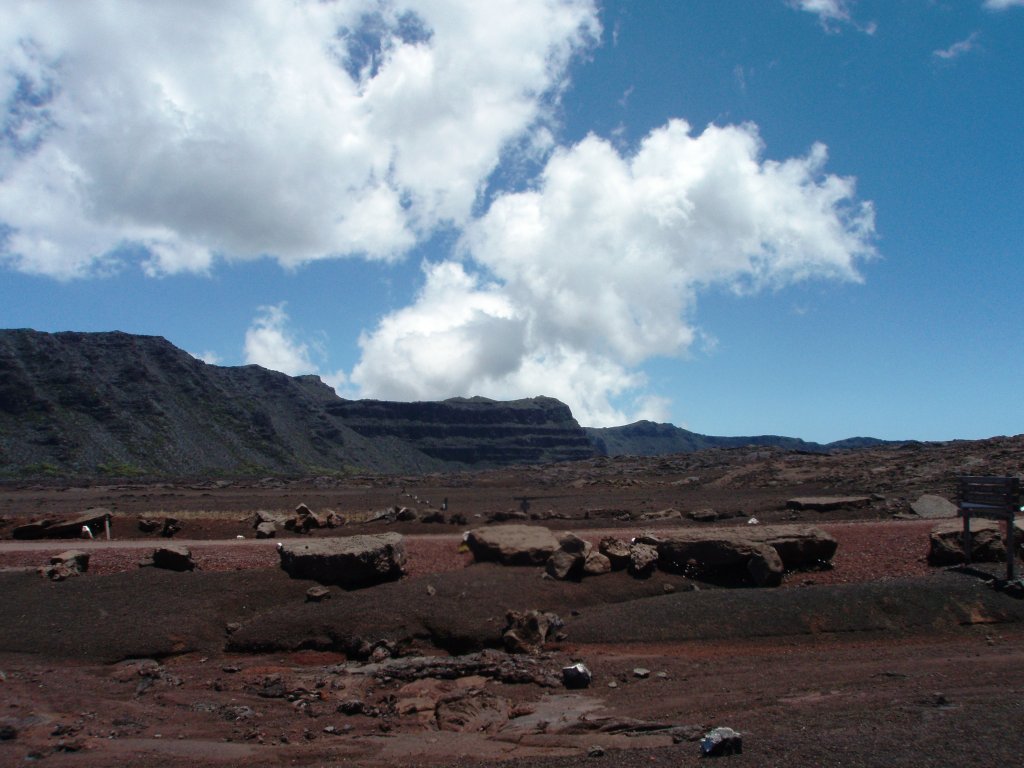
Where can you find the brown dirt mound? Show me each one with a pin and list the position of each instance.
(152, 613)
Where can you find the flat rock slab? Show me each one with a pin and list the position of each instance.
(825, 503)
(351, 562)
(759, 553)
(70, 528)
(932, 507)
(512, 544)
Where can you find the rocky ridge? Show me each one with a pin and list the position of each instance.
(117, 404)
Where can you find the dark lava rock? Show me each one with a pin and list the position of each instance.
(173, 558)
(350, 562)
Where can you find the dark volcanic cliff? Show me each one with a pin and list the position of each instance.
(115, 403)
(474, 430)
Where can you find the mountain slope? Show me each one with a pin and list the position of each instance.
(116, 403)
(647, 438)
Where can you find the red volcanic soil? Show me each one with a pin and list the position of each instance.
(880, 660)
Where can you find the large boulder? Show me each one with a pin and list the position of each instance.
(945, 544)
(643, 559)
(564, 565)
(596, 564)
(95, 520)
(799, 546)
(512, 544)
(759, 555)
(931, 507)
(173, 557)
(617, 552)
(350, 562)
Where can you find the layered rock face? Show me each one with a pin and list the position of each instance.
(117, 404)
(474, 430)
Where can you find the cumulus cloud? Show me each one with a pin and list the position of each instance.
(1002, 5)
(193, 131)
(567, 288)
(270, 343)
(177, 135)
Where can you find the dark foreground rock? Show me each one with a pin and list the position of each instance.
(760, 555)
(65, 565)
(512, 544)
(945, 543)
(95, 520)
(351, 562)
(173, 558)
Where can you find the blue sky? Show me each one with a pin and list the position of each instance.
(799, 217)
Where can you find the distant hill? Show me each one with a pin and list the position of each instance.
(648, 438)
(116, 404)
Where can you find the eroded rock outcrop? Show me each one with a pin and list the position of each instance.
(512, 544)
(760, 555)
(351, 562)
(945, 543)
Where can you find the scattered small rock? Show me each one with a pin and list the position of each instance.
(527, 632)
(721, 741)
(681, 733)
(351, 707)
(65, 565)
(271, 687)
(703, 515)
(317, 594)
(641, 673)
(595, 751)
(576, 676)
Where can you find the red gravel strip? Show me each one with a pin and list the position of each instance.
(868, 551)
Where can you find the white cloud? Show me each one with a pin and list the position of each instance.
(1002, 5)
(831, 13)
(957, 49)
(238, 129)
(270, 343)
(209, 357)
(568, 288)
(827, 10)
